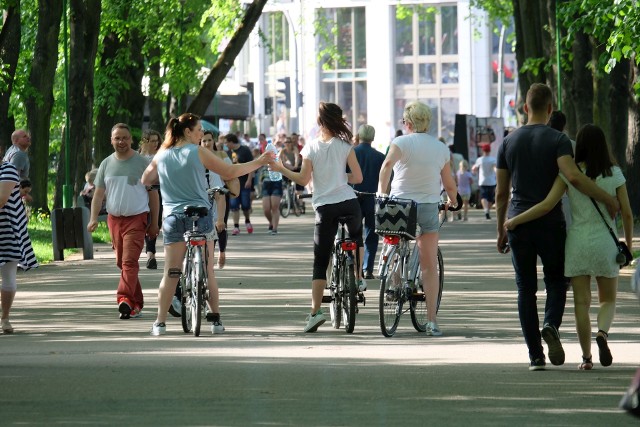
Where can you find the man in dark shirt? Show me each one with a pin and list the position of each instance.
(370, 161)
(241, 154)
(528, 162)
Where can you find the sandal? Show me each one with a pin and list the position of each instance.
(604, 353)
(586, 364)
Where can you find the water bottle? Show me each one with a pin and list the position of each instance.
(273, 175)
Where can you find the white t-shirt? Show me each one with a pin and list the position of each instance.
(329, 160)
(486, 165)
(416, 175)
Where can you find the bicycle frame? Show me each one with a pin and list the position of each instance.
(344, 297)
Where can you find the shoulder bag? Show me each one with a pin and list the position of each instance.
(624, 256)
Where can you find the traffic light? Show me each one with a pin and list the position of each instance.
(284, 89)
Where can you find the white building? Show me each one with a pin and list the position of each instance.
(371, 57)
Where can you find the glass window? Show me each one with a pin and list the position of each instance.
(427, 73)
(360, 38)
(427, 30)
(450, 72)
(450, 107)
(404, 74)
(360, 112)
(449, 30)
(432, 103)
(404, 36)
(345, 42)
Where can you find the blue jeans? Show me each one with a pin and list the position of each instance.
(368, 208)
(528, 241)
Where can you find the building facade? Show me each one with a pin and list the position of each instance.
(372, 57)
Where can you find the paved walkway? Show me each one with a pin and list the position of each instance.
(71, 361)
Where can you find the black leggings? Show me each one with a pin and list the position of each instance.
(326, 228)
(222, 235)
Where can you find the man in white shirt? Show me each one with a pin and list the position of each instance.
(129, 204)
(486, 166)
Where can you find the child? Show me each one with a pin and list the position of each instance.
(465, 179)
(25, 194)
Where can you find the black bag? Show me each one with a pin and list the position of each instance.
(624, 256)
(396, 216)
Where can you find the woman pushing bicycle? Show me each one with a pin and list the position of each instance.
(420, 163)
(180, 166)
(325, 159)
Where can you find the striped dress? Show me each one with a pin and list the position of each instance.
(15, 244)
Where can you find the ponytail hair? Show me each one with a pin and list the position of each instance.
(330, 118)
(177, 126)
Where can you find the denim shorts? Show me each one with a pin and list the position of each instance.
(244, 200)
(272, 188)
(175, 225)
(428, 217)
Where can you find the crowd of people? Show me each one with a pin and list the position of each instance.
(536, 166)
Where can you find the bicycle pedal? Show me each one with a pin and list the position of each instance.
(326, 298)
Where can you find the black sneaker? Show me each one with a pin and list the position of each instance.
(537, 364)
(125, 310)
(368, 276)
(152, 264)
(487, 216)
(552, 338)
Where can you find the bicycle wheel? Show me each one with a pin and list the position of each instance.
(335, 306)
(295, 202)
(198, 290)
(391, 301)
(187, 296)
(418, 306)
(349, 296)
(285, 203)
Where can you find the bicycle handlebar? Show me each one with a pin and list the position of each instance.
(450, 209)
(217, 190)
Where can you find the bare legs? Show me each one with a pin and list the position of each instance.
(428, 247)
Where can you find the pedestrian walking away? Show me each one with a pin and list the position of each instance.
(485, 167)
(241, 154)
(325, 159)
(590, 250)
(529, 160)
(132, 213)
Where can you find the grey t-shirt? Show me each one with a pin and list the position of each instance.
(19, 159)
(530, 154)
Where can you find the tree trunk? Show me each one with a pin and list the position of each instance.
(225, 61)
(633, 147)
(39, 101)
(9, 52)
(156, 99)
(582, 88)
(618, 102)
(84, 18)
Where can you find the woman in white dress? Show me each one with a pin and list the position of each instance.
(590, 251)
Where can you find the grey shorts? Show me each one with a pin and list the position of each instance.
(428, 217)
(175, 225)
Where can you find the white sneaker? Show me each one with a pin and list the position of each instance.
(6, 326)
(158, 329)
(217, 327)
(314, 321)
(175, 309)
(433, 330)
(362, 285)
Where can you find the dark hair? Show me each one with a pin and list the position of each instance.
(593, 150)
(557, 120)
(121, 126)
(232, 138)
(25, 183)
(399, 133)
(539, 97)
(330, 118)
(176, 127)
(208, 132)
(146, 136)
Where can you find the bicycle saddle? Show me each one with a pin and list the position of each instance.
(344, 219)
(200, 211)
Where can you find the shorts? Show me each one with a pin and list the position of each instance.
(465, 197)
(271, 188)
(243, 200)
(428, 218)
(175, 225)
(488, 192)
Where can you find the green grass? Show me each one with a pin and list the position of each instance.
(40, 233)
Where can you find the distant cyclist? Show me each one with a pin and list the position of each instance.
(180, 167)
(419, 163)
(325, 159)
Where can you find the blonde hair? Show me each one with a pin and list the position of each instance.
(419, 115)
(464, 165)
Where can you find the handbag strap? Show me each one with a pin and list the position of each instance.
(613, 235)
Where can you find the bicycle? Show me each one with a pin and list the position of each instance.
(290, 200)
(344, 296)
(401, 281)
(193, 280)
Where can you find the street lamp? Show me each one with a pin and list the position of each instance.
(67, 191)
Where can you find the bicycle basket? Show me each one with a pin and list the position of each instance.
(396, 216)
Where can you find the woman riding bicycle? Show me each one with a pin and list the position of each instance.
(180, 168)
(420, 163)
(325, 159)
